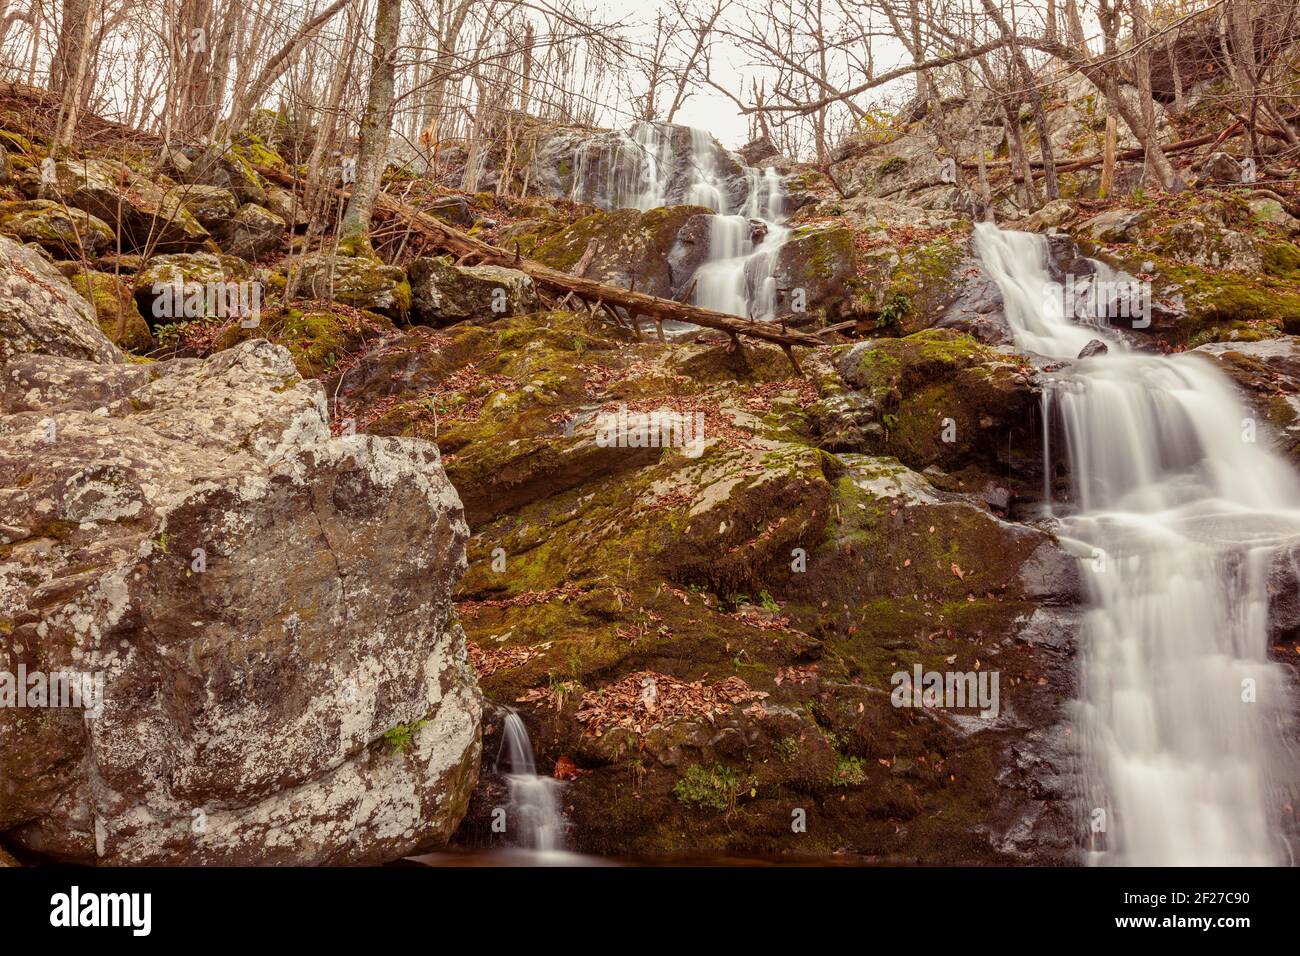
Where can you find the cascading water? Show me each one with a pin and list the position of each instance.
(534, 811)
(1184, 516)
(640, 169)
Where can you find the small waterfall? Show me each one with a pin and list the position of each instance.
(1184, 516)
(642, 169)
(534, 815)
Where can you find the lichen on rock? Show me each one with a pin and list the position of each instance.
(263, 601)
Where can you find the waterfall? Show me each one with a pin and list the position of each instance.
(1183, 515)
(648, 167)
(534, 812)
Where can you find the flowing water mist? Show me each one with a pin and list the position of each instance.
(1184, 515)
(648, 167)
(534, 816)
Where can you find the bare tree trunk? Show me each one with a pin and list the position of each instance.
(71, 39)
(449, 30)
(1035, 99)
(376, 124)
(1146, 103)
(1108, 157)
(73, 85)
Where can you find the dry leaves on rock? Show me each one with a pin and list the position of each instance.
(796, 675)
(645, 698)
(762, 395)
(472, 609)
(488, 661)
(566, 769)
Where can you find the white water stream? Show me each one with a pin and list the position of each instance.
(1184, 513)
(533, 818)
(643, 172)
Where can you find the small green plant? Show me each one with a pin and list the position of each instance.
(169, 333)
(848, 773)
(707, 788)
(787, 748)
(400, 737)
(897, 307)
(768, 602)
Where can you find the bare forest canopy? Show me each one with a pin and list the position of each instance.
(371, 79)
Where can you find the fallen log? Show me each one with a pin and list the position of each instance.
(635, 304)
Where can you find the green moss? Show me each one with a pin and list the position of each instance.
(11, 140)
(1228, 300)
(251, 151)
(849, 772)
(707, 788)
(115, 309)
(317, 338)
(891, 165)
(1281, 259)
(922, 285)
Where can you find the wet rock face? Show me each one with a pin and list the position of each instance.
(268, 608)
(816, 264)
(654, 252)
(612, 169)
(1267, 375)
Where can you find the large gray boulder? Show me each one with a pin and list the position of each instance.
(358, 281)
(814, 268)
(268, 606)
(252, 232)
(40, 312)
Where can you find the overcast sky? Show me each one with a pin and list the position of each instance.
(732, 66)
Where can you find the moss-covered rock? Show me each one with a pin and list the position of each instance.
(358, 281)
(212, 206)
(320, 337)
(184, 286)
(642, 250)
(59, 229)
(945, 399)
(228, 166)
(761, 564)
(813, 270)
(115, 309)
(443, 293)
(286, 205)
(1267, 372)
(911, 287)
(1217, 272)
(454, 210)
(144, 215)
